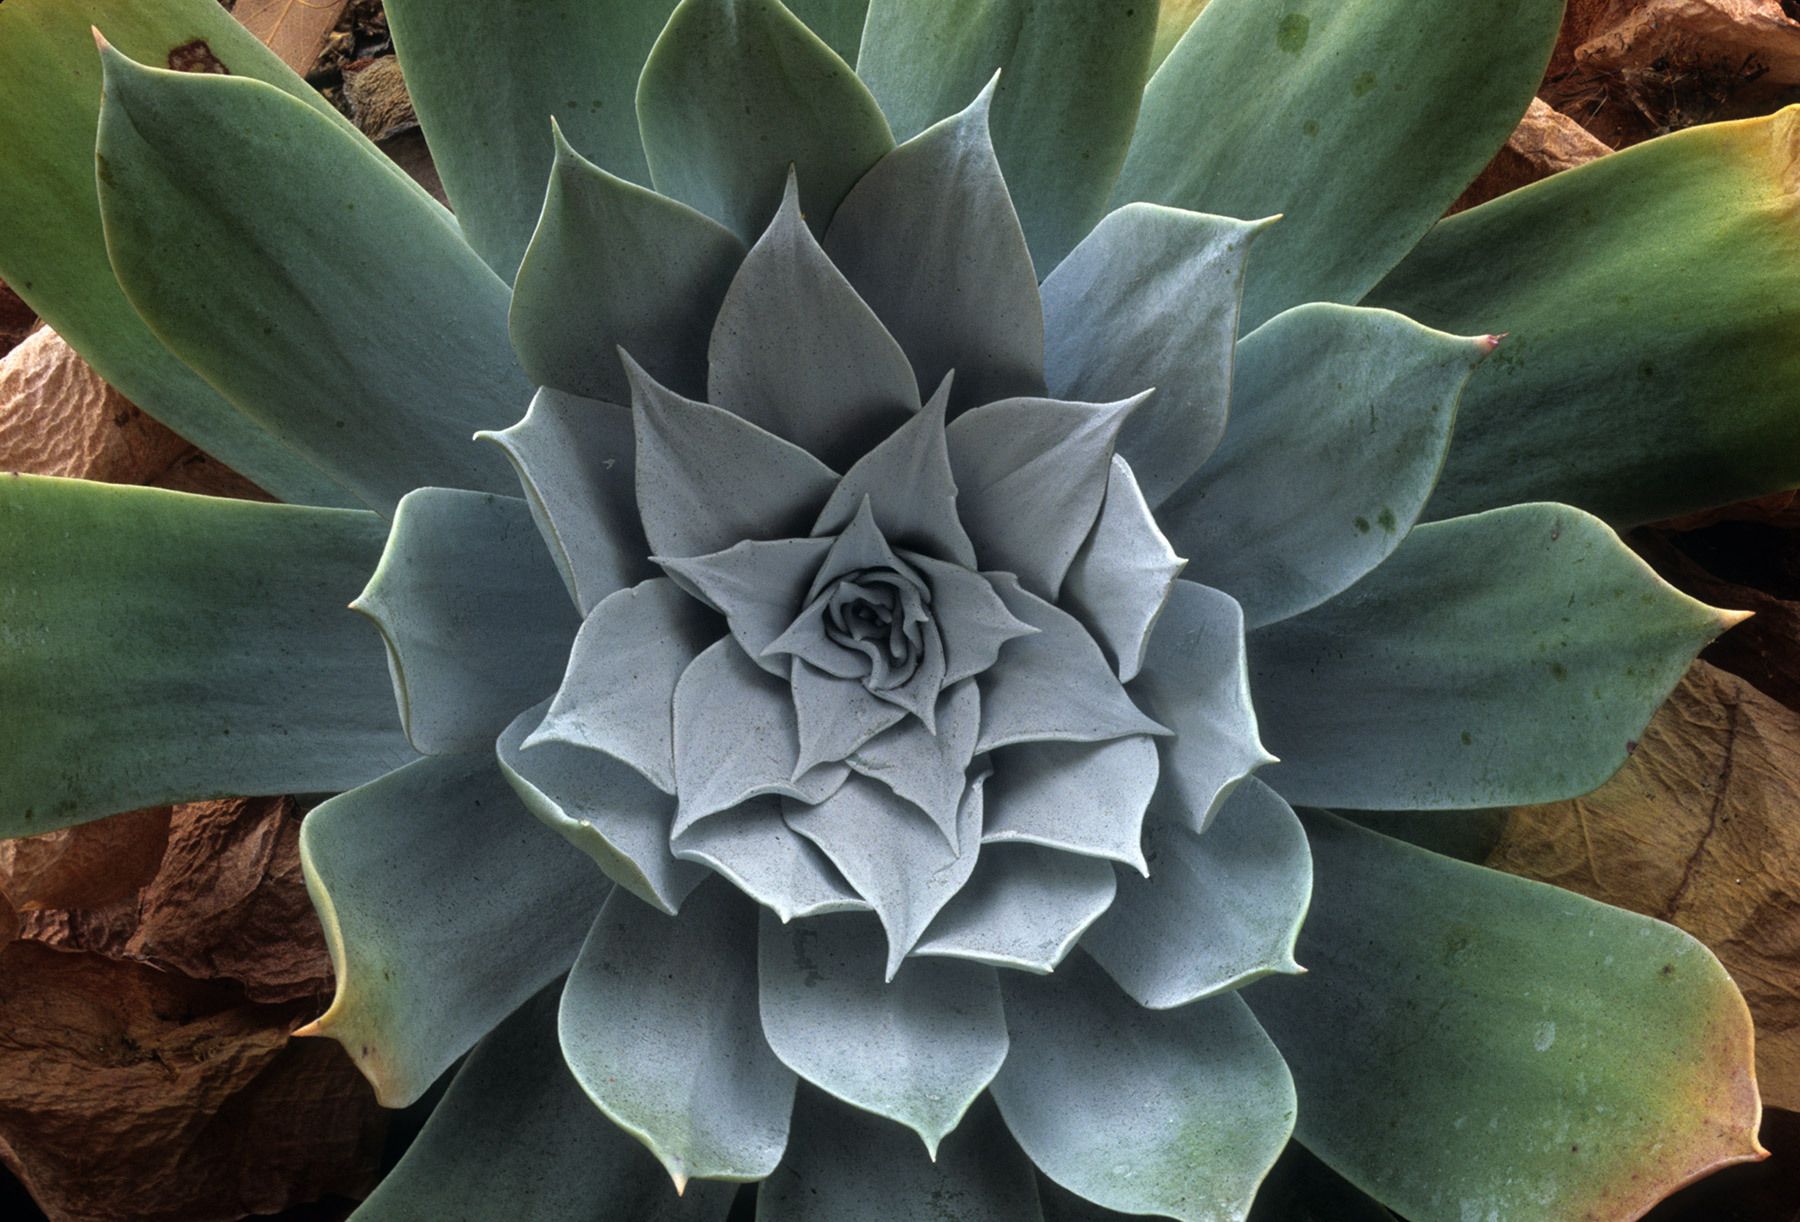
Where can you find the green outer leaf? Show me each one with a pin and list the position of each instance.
(1072, 73)
(377, 366)
(560, 1159)
(838, 23)
(157, 647)
(1653, 299)
(1508, 657)
(736, 91)
(1368, 118)
(52, 252)
(1472, 1045)
(486, 79)
(445, 906)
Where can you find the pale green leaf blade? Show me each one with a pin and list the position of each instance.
(379, 367)
(1468, 1044)
(1369, 117)
(161, 648)
(1071, 76)
(445, 906)
(1508, 657)
(1651, 365)
(838, 23)
(487, 78)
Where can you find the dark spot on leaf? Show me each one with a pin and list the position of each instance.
(1558, 671)
(1468, 740)
(1310, 127)
(196, 56)
(1292, 33)
(1386, 518)
(1668, 969)
(1362, 525)
(1362, 85)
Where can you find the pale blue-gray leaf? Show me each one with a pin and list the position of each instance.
(842, 1164)
(659, 1025)
(1178, 1113)
(737, 91)
(708, 480)
(906, 480)
(972, 619)
(1196, 679)
(917, 1049)
(1080, 797)
(796, 351)
(618, 694)
(574, 459)
(928, 767)
(835, 716)
(417, 878)
(1217, 911)
(1123, 575)
(476, 621)
(759, 586)
(930, 240)
(736, 737)
(890, 852)
(615, 265)
(562, 1160)
(1025, 908)
(604, 808)
(838, 23)
(1053, 684)
(753, 847)
(1150, 299)
(1508, 657)
(1030, 476)
(1340, 418)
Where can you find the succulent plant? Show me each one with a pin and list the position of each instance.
(871, 559)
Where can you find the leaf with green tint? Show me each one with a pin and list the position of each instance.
(1520, 1052)
(162, 648)
(1653, 300)
(52, 251)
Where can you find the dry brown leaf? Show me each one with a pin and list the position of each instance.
(1753, 37)
(1698, 829)
(295, 30)
(1545, 142)
(375, 92)
(87, 866)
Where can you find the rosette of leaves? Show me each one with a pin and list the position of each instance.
(873, 554)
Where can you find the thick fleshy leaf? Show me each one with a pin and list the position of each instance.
(847, 1164)
(736, 737)
(1178, 1113)
(907, 482)
(1031, 475)
(52, 250)
(930, 240)
(574, 459)
(1196, 680)
(759, 586)
(796, 351)
(1085, 798)
(838, 23)
(561, 1160)
(1025, 908)
(752, 846)
(165, 648)
(1508, 657)
(614, 265)
(971, 617)
(1522, 1052)
(708, 480)
(382, 396)
(417, 878)
(735, 93)
(892, 855)
(1123, 575)
(835, 716)
(928, 767)
(917, 1050)
(1371, 116)
(659, 1024)
(485, 79)
(1071, 75)
(1217, 911)
(603, 807)
(1053, 684)
(1150, 299)
(1339, 422)
(476, 620)
(1694, 346)
(618, 694)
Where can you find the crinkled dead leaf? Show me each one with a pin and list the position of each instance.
(1698, 829)
(295, 30)
(1751, 36)
(91, 865)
